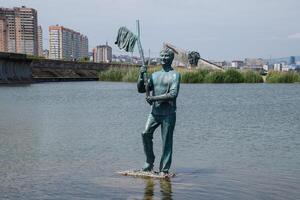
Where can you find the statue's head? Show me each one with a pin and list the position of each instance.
(166, 57)
(193, 57)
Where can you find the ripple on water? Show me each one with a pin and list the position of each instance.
(67, 140)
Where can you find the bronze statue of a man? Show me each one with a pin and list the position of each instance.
(164, 85)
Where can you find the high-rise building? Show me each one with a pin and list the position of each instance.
(3, 34)
(292, 60)
(40, 41)
(67, 44)
(22, 29)
(102, 53)
(84, 43)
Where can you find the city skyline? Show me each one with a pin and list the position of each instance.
(218, 30)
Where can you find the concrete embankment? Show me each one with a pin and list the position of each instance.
(17, 68)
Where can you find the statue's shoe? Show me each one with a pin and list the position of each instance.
(147, 167)
(164, 174)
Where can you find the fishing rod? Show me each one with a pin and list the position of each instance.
(126, 40)
(141, 52)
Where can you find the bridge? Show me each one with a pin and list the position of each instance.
(18, 68)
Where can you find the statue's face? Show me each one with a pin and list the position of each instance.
(193, 60)
(166, 58)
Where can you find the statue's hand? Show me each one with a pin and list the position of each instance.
(149, 99)
(143, 69)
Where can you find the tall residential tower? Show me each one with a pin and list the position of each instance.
(22, 29)
(40, 41)
(67, 44)
(3, 34)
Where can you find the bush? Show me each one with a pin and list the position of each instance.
(252, 77)
(233, 76)
(120, 74)
(283, 77)
(199, 76)
(215, 77)
(192, 76)
(131, 75)
(112, 74)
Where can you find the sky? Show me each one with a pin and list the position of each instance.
(217, 29)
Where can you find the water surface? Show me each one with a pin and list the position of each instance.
(67, 140)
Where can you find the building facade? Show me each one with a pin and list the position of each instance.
(254, 62)
(66, 44)
(40, 41)
(237, 64)
(3, 34)
(22, 36)
(292, 60)
(102, 53)
(278, 67)
(84, 43)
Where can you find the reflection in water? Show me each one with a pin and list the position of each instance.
(149, 189)
(165, 189)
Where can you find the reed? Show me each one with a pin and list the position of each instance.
(283, 77)
(193, 76)
(131, 75)
(215, 77)
(112, 74)
(187, 76)
(252, 77)
(233, 76)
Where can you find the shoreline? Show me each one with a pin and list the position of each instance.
(198, 76)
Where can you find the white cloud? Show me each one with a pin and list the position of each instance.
(294, 36)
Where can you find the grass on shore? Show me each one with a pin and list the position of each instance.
(252, 77)
(283, 77)
(203, 76)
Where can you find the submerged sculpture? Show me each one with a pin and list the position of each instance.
(164, 85)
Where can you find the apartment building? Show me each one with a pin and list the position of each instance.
(66, 44)
(22, 28)
(102, 53)
(40, 41)
(84, 43)
(237, 64)
(3, 34)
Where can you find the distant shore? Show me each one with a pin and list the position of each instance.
(204, 76)
(21, 69)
